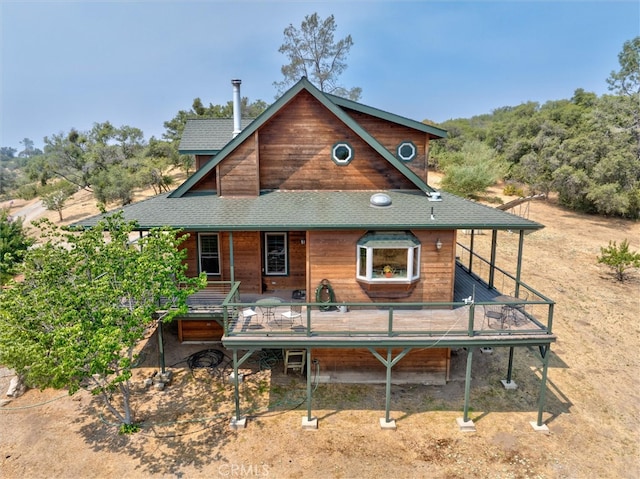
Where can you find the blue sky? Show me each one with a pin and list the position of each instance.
(69, 64)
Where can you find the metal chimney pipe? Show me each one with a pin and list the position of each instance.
(236, 107)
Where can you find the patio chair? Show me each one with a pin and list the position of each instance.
(248, 313)
(494, 313)
(517, 311)
(294, 313)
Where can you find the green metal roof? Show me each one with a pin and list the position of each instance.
(352, 105)
(303, 84)
(317, 210)
(389, 239)
(207, 136)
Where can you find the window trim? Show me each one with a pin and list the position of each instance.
(339, 161)
(402, 145)
(372, 241)
(200, 257)
(285, 252)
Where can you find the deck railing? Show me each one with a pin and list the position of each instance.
(539, 307)
(386, 319)
(392, 319)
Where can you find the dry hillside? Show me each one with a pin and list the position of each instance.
(592, 405)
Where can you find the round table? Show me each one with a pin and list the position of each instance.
(267, 307)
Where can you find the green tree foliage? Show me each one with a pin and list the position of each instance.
(175, 127)
(586, 149)
(313, 53)
(471, 170)
(14, 243)
(55, 196)
(619, 258)
(85, 304)
(108, 161)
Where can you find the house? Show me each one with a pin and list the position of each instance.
(320, 235)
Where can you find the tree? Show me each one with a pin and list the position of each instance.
(619, 258)
(29, 150)
(471, 170)
(313, 54)
(57, 195)
(175, 127)
(14, 243)
(626, 81)
(86, 302)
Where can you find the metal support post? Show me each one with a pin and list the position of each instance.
(387, 404)
(510, 367)
(157, 317)
(309, 418)
(543, 383)
(492, 265)
(467, 385)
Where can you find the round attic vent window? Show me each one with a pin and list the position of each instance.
(380, 200)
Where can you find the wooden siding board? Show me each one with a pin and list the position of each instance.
(238, 171)
(390, 135)
(295, 153)
(332, 256)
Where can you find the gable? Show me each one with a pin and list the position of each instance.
(296, 149)
(303, 87)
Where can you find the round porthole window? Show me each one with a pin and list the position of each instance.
(341, 153)
(406, 151)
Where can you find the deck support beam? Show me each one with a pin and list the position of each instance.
(238, 422)
(507, 383)
(389, 363)
(466, 424)
(309, 422)
(160, 343)
(539, 425)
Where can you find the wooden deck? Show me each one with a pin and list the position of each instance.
(376, 322)
(390, 323)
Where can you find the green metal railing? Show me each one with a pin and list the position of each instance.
(462, 320)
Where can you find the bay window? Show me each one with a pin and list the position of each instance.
(388, 257)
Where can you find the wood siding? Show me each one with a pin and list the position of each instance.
(332, 256)
(199, 330)
(238, 173)
(209, 182)
(348, 363)
(295, 153)
(391, 135)
(295, 279)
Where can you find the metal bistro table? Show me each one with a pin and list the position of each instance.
(268, 306)
(514, 311)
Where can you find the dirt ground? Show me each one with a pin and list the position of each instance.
(592, 404)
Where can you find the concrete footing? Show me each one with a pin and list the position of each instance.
(309, 423)
(466, 426)
(544, 429)
(486, 350)
(509, 384)
(390, 425)
(236, 423)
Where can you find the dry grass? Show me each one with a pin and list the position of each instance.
(591, 410)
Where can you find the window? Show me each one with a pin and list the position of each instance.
(406, 151)
(342, 153)
(209, 249)
(388, 257)
(276, 254)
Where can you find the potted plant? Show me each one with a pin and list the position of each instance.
(388, 271)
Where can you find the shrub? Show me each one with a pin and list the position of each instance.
(619, 259)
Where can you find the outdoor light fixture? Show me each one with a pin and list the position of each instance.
(438, 244)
